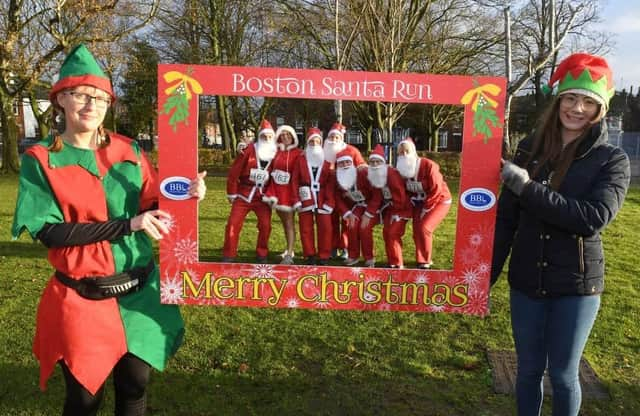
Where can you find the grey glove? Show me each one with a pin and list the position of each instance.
(514, 177)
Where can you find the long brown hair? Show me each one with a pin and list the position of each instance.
(547, 146)
(57, 126)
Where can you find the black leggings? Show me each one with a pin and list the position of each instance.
(130, 378)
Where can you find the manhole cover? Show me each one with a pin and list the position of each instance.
(503, 368)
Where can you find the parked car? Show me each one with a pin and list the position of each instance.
(27, 142)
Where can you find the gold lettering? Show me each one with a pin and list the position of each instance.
(273, 300)
(187, 282)
(300, 287)
(220, 284)
(461, 292)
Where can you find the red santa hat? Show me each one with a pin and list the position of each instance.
(408, 142)
(337, 128)
(314, 132)
(343, 156)
(377, 153)
(585, 74)
(265, 127)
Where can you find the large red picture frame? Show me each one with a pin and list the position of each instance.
(463, 289)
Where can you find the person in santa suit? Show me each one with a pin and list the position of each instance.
(333, 144)
(246, 181)
(91, 197)
(314, 184)
(358, 204)
(280, 194)
(429, 195)
(396, 210)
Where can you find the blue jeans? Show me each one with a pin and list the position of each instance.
(551, 333)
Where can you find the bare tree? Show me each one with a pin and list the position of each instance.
(36, 33)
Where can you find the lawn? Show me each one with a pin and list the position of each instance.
(310, 362)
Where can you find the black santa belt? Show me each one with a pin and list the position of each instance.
(103, 287)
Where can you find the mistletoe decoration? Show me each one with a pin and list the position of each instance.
(179, 94)
(483, 106)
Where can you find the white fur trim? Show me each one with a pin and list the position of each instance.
(376, 156)
(283, 208)
(588, 93)
(346, 214)
(314, 135)
(327, 208)
(332, 131)
(293, 133)
(369, 215)
(343, 158)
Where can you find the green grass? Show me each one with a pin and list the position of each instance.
(310, 362)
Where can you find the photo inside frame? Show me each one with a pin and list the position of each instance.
(301, 114)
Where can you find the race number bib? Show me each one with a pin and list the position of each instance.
(305, 193)
(259, 176)
(280, 177)
(414, 186)
(356, 196)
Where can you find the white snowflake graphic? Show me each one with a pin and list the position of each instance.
(171, 290)
(471, 277)
(436, 308)
(169, 222)
(322, 304)
(186, 251)
(356, 271)
(477, 304)
(483, 268)
(293, 303)
(450, 280)
(421, 278)
(476, 239)
(264, 271)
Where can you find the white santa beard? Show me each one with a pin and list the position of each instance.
(407, 166)
(377, 176)
(266, 150)
(331, 149)
(314, 155)
(346, 177)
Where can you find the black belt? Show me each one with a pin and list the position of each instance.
(103, 287)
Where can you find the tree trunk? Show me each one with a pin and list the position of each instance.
(10, 157)
(222, 122)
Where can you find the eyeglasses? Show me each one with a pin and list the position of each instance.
(588, 104)
(82, 98)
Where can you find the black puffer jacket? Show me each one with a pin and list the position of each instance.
(554, 236)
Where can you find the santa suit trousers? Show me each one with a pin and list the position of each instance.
(359, 237)
(308, 221)
(239, 211)
(340, 234)
(392, 233)
(423, 229)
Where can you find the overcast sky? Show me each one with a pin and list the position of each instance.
(622, 17)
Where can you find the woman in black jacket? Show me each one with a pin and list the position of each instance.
(565, 184)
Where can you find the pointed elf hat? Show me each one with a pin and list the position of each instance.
(314, 132)
(337, 128)
(377, 153)
(408, 141)
(265, 127)
(582, 73)
(81, 68)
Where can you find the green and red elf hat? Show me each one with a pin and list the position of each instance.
(81, 68)
(582, 73)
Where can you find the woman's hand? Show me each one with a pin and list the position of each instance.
(197, 187)
(151, 223)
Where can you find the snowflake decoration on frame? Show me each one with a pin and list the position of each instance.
(171, 290)
(477, 303)
(178, 96)
(186, 251)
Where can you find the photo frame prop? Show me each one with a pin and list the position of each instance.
(463, 289)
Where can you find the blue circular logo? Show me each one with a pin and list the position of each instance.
(477, 199)
(175, 187)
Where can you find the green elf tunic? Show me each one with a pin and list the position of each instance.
(90, 186)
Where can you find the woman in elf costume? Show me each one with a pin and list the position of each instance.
(91, 198)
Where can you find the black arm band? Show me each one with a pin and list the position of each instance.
(79, 234)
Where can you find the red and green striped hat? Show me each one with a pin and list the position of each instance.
(586, 74)
(81, 68)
